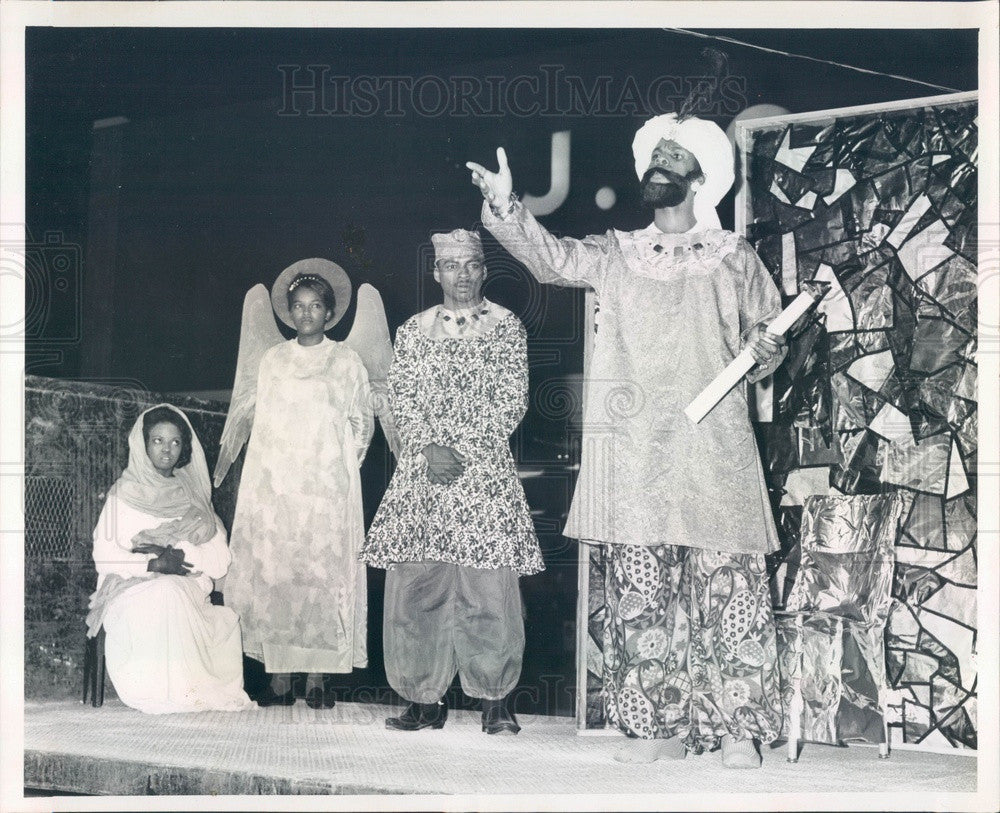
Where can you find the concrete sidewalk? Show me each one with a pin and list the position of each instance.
(347, 750)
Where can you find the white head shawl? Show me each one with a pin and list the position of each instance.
(708, 143)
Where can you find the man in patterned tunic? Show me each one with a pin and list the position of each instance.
(689, 655)
(453, 530)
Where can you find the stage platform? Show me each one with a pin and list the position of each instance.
(347, 750)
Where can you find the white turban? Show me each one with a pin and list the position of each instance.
(707, 142)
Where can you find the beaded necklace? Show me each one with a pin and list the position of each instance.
(462, 316)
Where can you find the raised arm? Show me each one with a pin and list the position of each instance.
(562, 261)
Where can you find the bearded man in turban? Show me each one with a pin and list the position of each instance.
(682, 508)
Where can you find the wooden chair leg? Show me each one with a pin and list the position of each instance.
(89, 659)
(98, 693)
(94, 670)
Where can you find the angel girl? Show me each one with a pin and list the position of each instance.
(297, 581)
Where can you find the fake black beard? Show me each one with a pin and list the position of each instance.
(660, 195)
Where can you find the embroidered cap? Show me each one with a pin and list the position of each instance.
(457, 243)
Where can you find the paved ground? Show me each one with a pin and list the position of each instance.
(347, 750)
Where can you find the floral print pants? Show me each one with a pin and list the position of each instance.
(689, 645)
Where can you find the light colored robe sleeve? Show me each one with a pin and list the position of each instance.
(760, 302)
(211, 558)
(113, 553)
(562, 261)
(360, 415)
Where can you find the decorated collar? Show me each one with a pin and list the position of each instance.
(440, 322)
(462, 315)
(649, 248)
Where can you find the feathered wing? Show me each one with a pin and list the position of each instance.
(369, 338)
(258, 333)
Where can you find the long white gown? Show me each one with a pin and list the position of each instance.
(297, 580)
(167, 647)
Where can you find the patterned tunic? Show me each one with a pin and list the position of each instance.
(469, 394)
(674, 309)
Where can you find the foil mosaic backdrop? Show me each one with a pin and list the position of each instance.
(878, 394)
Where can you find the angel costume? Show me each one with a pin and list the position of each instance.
(683, 508)
(297, 580)
(167, 648)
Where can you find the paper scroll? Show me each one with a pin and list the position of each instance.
(744, 362)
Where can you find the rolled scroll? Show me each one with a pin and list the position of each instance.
(706, 400)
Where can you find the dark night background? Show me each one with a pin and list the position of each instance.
(216, 182)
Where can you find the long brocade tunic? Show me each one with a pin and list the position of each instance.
(469, 394)
(670, 320)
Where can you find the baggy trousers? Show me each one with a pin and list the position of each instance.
(689, 645)
(442, 618)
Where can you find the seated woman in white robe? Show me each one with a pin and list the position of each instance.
(158, 546)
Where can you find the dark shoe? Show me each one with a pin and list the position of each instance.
(418, 716)
(497, 719)
(317, 698)
(269, 698)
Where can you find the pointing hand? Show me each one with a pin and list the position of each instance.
(495, 186)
